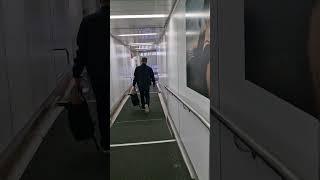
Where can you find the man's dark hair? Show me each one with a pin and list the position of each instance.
(144, 60)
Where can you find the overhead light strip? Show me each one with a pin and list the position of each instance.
(150, 16)
(141, 43)
(146, 34)
(144, 16)
(142, 48)
(192, 33)
(198, 15)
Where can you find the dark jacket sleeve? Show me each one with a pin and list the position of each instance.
(81, 59)
(135, 77)
(152, 76)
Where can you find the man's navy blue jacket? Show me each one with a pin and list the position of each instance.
(143, 75)
(93, 44)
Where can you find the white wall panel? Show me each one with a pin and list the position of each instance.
(238, 162)
(29, 30)
(265, 172)
(18, 64)
(121, 70)
(172, 59)
(194, 135)
(173, 106)
(281, 128)
(61, 26)
(161, 60)
(5, 122)
(75, 14)
(114, 71)
(235, 163)
(37, 16)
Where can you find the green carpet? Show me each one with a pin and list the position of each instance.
(148, 162)
(142, 131)
(145, 162)
(61, 157)
(134, 125)
(130, 112)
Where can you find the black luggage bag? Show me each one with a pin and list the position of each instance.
(80, 121)
(134, 98)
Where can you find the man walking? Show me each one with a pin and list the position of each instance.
(93, 54)
(143, 75)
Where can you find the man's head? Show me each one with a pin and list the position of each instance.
(144, 60)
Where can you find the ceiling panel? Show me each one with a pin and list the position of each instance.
(137, 23)
(139, 6)
(139, 26)
(138, 39)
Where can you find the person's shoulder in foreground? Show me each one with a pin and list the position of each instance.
(101, 13)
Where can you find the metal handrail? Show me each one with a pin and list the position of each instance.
(66, 51)
(258, 150)
(192, 110)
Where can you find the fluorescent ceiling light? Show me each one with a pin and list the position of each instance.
(142, 48)
(146, 34)
(192, 33)
(136, 44)
(198, 15)
(144, 16)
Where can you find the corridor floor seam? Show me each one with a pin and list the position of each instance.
(140, 120)
(143, 143)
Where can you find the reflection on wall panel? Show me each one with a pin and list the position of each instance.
(121, 70)
(198, 45)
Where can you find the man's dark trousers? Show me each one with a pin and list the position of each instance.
(93, 54)
(102, 99)
(144, 95)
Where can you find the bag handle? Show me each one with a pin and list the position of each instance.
(77, 95)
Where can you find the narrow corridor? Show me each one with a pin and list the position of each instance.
(143, 145)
